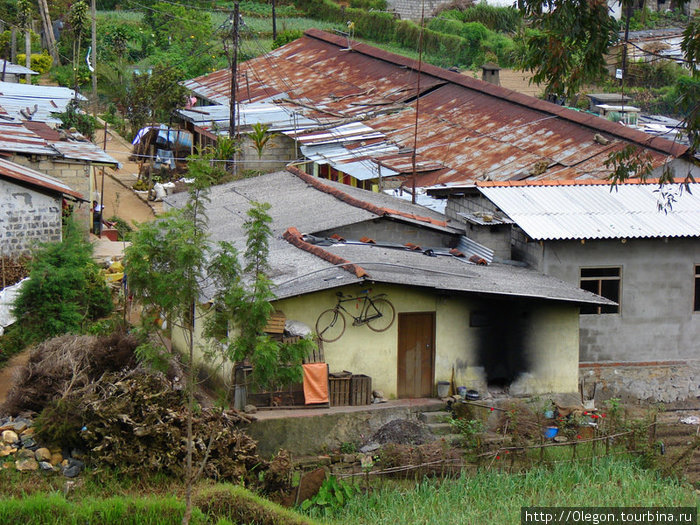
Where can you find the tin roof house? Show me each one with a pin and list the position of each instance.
(350, 114)
(31, 205)
(493, 324)
(636, 244)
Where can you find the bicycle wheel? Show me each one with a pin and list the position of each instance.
(330, 325)
(388, 314)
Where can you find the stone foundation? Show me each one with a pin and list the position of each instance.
(674, 383)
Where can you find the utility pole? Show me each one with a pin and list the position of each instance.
(274, 21)
(13, 45)
(415, 129)
(93, 58)
(232, 131)
(48, 31)
(627, 34)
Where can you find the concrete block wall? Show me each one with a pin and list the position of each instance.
(27, 217)
(387, 230)
(656, 321)
(278, 152)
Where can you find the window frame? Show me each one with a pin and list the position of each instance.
(696, 298)
(600, 279)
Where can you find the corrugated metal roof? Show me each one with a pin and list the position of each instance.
(27, 175)
(37, 110)
(30, 91)
(470, 247)
(277, 117)
(14, 69)
(84, 151)
(598, 211)
(36, 138)
(467, 129)
(17, 138)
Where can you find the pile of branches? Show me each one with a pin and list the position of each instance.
(135, 420)
(13, 270)
(66, 364)
(92, 394)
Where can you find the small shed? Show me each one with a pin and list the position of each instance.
(31, 207)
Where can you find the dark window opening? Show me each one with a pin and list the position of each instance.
(604, 282)
(697, 288)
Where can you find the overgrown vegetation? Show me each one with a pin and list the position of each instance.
(493, 496)
(65, 291)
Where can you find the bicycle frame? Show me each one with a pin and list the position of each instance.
(367, 304)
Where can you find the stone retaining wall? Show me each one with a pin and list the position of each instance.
(675, 383)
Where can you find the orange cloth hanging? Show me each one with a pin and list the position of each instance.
(315, 383)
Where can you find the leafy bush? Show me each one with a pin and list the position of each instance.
(655, 74)
(334, 494)
(72, 118)
(41, 63)
(377, 5)
(65, 289)
(502, 19)
(285, 37)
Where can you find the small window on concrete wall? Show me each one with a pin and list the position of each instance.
(697, 288)
(604, 282)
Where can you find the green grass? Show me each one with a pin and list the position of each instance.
(496, 497)
(42, 509)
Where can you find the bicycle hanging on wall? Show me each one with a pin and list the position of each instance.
(376, 312)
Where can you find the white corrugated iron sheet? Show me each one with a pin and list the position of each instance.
(600, 211)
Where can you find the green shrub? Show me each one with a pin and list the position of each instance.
(12, 342)
(41, 63)
(285, 37)
(65, 290)
(377, 5)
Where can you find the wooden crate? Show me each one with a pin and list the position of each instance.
(360, 389)
(339, 390)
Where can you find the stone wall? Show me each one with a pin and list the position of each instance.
(675, 383)
(27, 217)
(411, 9)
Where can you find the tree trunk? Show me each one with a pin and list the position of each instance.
(28, 51)
(48, 31)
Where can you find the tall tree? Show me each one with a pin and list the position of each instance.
(169, 265)
(565, 43)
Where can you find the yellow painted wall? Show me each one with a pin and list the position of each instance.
(553, 343)
(552, 340)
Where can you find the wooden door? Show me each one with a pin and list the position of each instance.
(416, 359)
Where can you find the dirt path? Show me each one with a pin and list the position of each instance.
(119, 198)
(7, 373)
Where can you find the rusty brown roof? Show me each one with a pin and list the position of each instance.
(29, 176)
(36, 138)
(467, 129)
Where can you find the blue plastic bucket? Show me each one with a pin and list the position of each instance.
(550, 432)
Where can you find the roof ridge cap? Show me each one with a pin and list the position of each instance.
(357, 203)
(294, 237)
